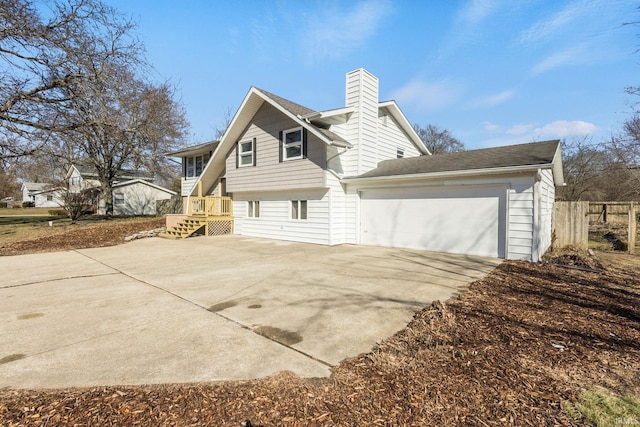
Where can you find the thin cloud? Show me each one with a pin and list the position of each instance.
(563, 128)
(492, 100)
(553, 26)
(519, 129)
(571, 56)
(428, 96)
(476, 11)
(491, 127)
(335, 33)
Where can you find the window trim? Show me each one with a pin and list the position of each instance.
(299, 210)
(253, 209)
(299, 143)
(118, 198)
(251, 154)
(193, 169)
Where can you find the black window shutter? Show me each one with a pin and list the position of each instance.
(280, 145)
(304, 143)
(254, 151)
(184, 166)
(237, 154)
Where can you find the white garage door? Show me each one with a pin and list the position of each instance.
(456, 220)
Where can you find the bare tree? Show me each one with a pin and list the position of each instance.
(9, 186)
(228, 116)
(584, 165)
(438, 140)
(78, 203)
(75, 84)
(40, 44)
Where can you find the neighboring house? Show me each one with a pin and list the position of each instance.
(42, 195)
(137, 197)
(359, 174)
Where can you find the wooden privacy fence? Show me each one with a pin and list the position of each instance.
(571, 221)
(571, 224)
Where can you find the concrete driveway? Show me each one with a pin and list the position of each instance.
(209, 308)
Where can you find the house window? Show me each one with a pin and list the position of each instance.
(298, 209)
(195, 165)
(49, 198)
(400, 153)
(198, 165)
(118, 198)
(254, 209)
(190, 169)
(292, 144)
(245, 153)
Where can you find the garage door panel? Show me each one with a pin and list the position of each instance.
(456, 221)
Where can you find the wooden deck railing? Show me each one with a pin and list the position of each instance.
(210, 206)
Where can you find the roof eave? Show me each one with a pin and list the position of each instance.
(449, 174)
(399, 116)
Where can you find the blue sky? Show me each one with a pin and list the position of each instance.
(491, 72)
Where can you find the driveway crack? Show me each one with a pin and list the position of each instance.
(228, 319)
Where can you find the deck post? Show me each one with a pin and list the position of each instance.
(199, 188)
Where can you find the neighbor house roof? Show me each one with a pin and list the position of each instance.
(36, 186)
(529, 156)
(90, 171)
(143, 182)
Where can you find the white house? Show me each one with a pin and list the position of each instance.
(359, 174)
(42, 195)
(137, 197)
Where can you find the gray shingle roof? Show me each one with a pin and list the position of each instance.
(531, 154)
(89, 171)
(300, 110)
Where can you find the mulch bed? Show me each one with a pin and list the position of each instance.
(508, 351)
(92, 235)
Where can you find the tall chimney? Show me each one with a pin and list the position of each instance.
(362, 128)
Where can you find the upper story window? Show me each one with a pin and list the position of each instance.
(399, 153)
(293, 144)
(194, 165)
(246, 153)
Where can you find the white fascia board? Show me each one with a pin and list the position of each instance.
(399, 116)
(191, 151)
(448, 174)
(338, 114)
(558, 173)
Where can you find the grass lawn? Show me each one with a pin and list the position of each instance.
(25, 211)
(40, 224)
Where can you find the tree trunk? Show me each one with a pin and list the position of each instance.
(107, 196)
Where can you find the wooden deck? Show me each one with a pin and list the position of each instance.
(208, 215)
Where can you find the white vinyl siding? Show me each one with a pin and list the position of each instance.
(270, 174)
(275, 220)
(392, 139)
(520, 243)
(545, 212)
(362, 127)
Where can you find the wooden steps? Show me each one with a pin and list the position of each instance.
(184, 228)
